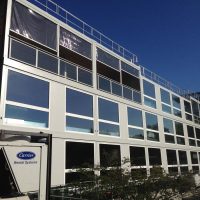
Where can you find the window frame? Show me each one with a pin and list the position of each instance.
(78, 115)
(24, 105)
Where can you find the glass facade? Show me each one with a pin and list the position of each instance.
(63, 78)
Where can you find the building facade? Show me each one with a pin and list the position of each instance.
(100, 106)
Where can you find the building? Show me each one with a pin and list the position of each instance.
(61, 76)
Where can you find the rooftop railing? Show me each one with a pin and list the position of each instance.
(60, 13)
(167, 84)
(76, 23)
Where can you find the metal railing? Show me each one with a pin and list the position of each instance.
(60, 13)
(167, 84)
(62, 67)
(115, 88)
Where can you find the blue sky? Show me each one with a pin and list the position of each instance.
(164, 34)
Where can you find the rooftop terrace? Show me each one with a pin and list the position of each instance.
(62, 14)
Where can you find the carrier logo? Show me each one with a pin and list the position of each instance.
(26, 155)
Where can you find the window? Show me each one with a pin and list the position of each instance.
(153, 136)
(171, 157)
(79, 155)
(22, 52)
(47, 62)
(137, 156)
(188, 110)
(129, 69)
(110, 155)
(79, 125)
(169, 139)
(151, 121)
(29, 24)
(166, 101)
(135, 123)
(108, 129)
(135, 117)
(197, 133)
(116, 89)
(24, 116)
(75, 43)
(79, 116)
(184, 170)
(79, 103)
(149, 102)
(182, 157)
(149, 89)
(176, 106)
(152, 124)
(190, 130)
(136, 133)
(108, 110)
(192, 142)
(107, 59)
(165, 97)
(176, 102)
(27, 91)
(173, 170)
(154, 156)
(194, 157)
(108, 117)
(168, 126)
(195, 108)
(180, 133)
(177, 112)
(179, 128)
(68, 70)
(104, 84)
(166, 109)
(180, 140)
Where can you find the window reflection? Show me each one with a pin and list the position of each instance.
(79, 125)
(27, 90)
(151, 121)
(135, 117)
(108, 110)
(79, 103)
(25, 116)
(149, 89)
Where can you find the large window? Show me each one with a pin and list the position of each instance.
(149, 94)
(166, 101)
(188, 110)
(110, 155)
(182, 157)
(194, 157)
(22, 52)
(171, 157)
(79, 155)
(152, 127)
(191, 135)
(176, 106)
(108, 117)
(27, 100)
(79, 116)
(75, 43)
(180, 139)
(135, 123)
(28, 23)
(107, 59)
(154, 156)
(168, 130)
(137, 156)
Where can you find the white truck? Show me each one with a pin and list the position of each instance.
(25, 165)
